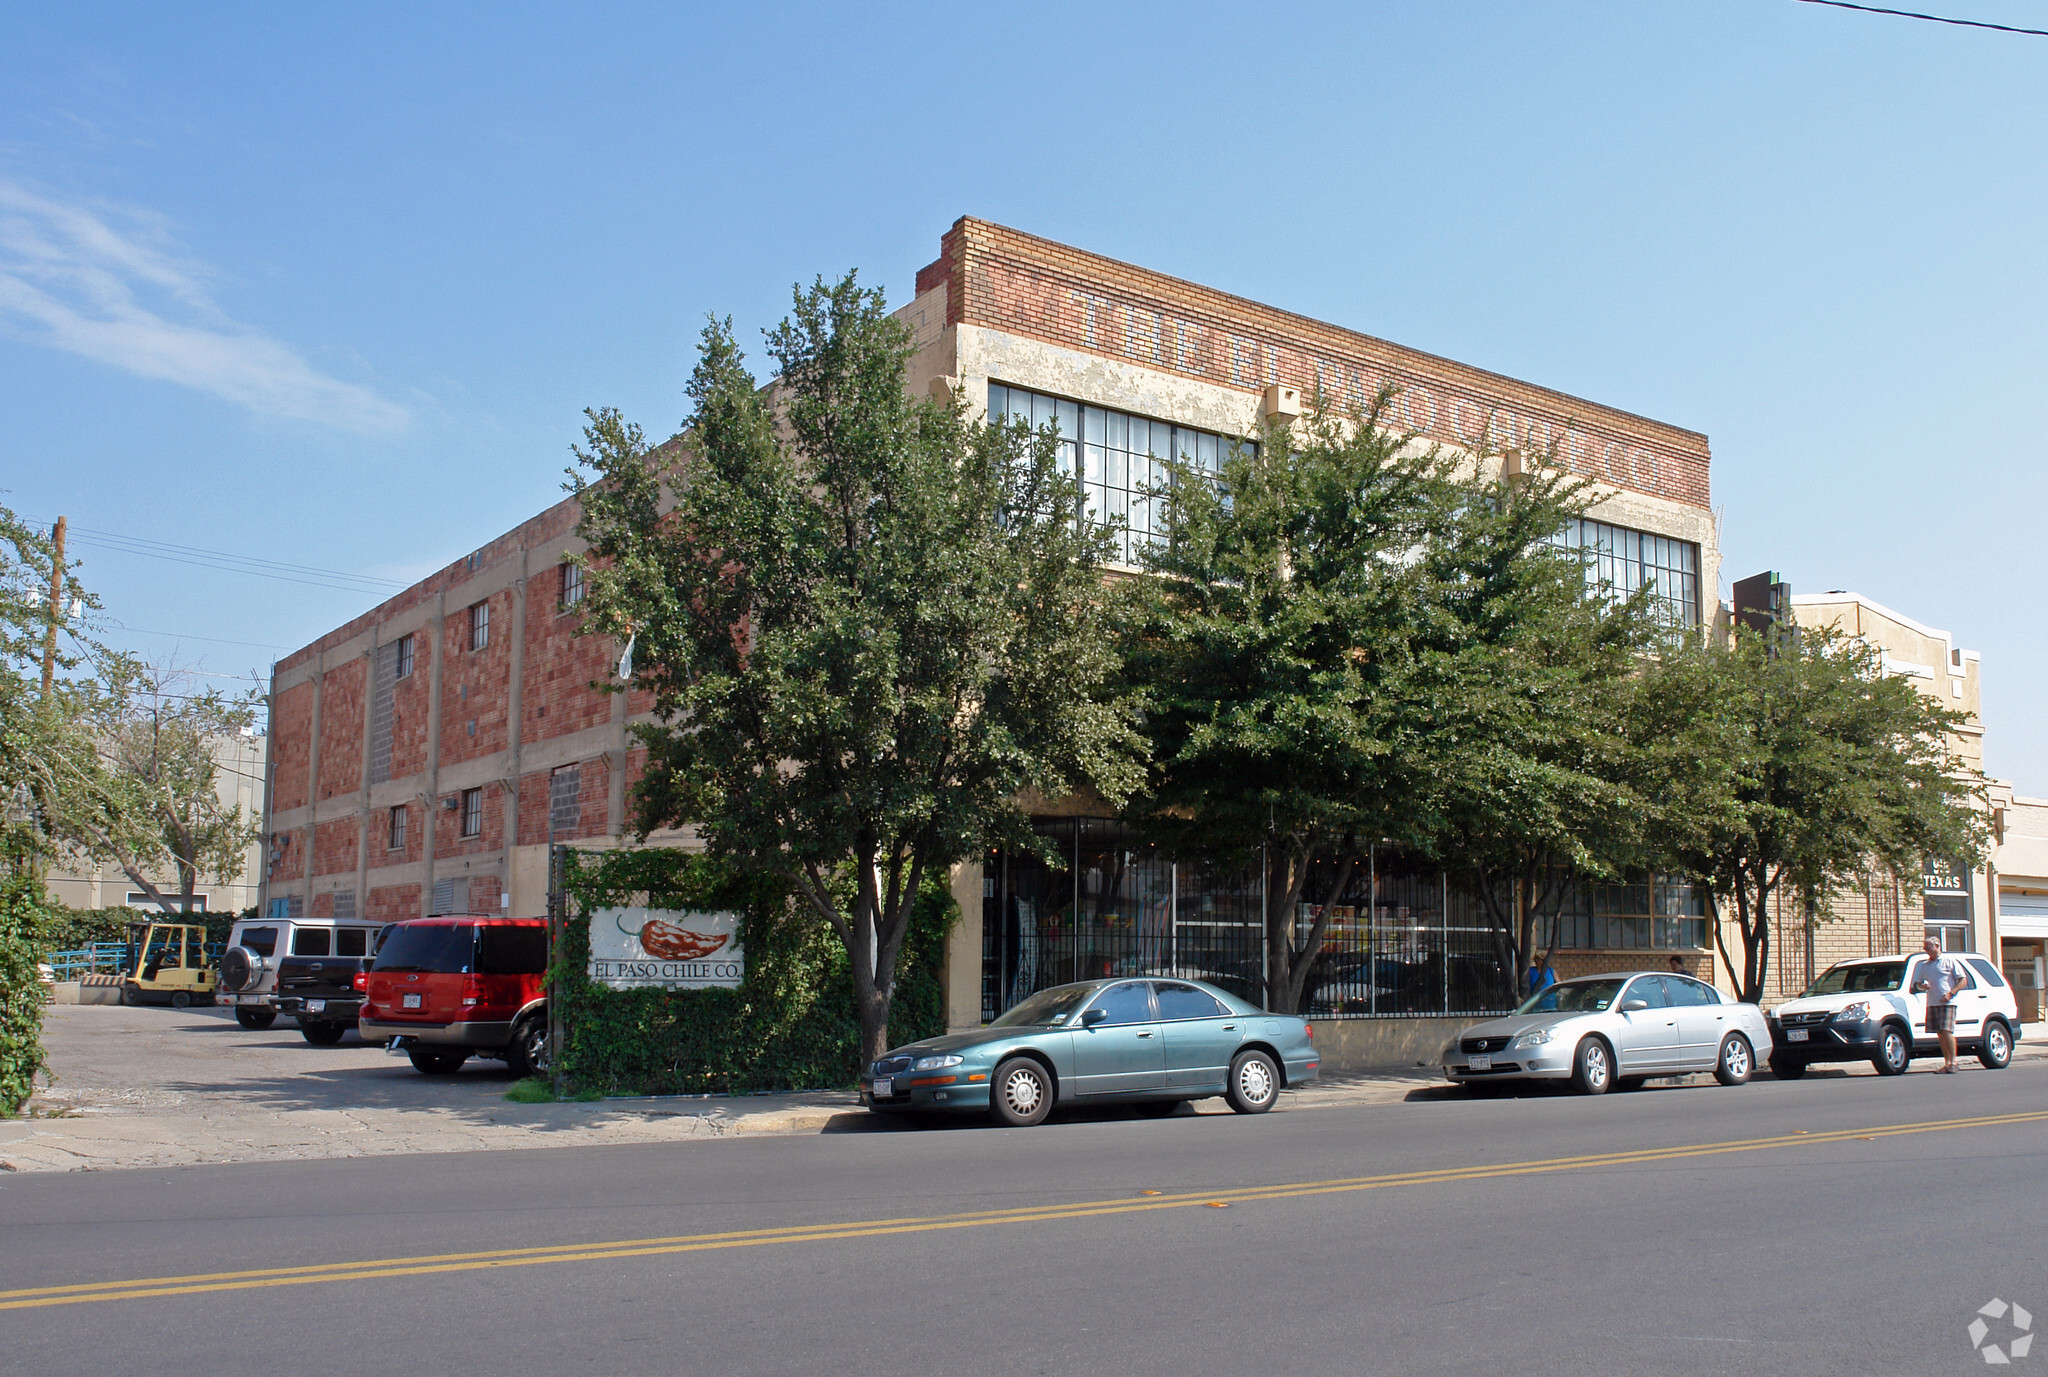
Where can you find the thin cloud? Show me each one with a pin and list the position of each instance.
(73, 279)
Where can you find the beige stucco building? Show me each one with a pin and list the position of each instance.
(239, 764)
(1882, 913)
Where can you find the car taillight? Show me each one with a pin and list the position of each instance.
(1310, 1029)
(472, 989)
(361, 982)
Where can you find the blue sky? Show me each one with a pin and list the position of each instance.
(331, 287)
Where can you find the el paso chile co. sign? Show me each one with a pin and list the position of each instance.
(669, 949)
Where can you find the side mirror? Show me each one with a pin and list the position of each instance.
(1629, 1006)
(1093, 1017)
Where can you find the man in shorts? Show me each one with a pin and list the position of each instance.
(1941, 977)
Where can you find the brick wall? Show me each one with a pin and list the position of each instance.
(410, 707)
(291, 735)
(334, 847)
(476, 684)
(394, 903)
(1020, 284)
(450, 844)
(291, 855)
(557, 697)
(341, 728)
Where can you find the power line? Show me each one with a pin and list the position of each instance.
(188, 636)
(1931, 18)
(229, 562)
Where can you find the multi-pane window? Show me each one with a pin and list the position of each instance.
(1626, 560)
(1118, 457)
(394, 831)
(472, 812)
(572, 585)
(479, 625)
(404, 661)
(1661, 913)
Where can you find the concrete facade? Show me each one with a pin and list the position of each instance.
(238, 762)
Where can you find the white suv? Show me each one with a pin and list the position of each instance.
(248, 969)
(1869, 1010)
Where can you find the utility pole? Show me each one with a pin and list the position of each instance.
(56, 607)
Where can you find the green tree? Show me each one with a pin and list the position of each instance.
(150, 800)
(41, 744)
(1523, 678)
(1828, 765)
(869, 624)
(1270, 653)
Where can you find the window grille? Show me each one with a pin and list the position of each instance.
(572, 585)
(1118, 456)
(479, 625)
(565, 799)
(395, 828)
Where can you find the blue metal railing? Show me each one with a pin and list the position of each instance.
(109, 957)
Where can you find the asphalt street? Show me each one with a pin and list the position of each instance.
(1848, 1225)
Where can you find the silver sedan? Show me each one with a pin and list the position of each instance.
(1612, 1030)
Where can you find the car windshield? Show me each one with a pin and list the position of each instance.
(449, 948)
(1046, 1009)
(1862, 978)
(1574, 997)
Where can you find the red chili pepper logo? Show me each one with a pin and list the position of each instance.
(670, 942)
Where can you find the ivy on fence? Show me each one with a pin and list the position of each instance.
(790, 1025)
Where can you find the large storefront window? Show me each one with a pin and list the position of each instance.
(1118, 456)
(1633, 917)
(1628, 560)
(1108, 905)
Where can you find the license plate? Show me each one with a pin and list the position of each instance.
(1795, 1035)
(1479, 1064)
(316, 1006)
(409, 1002)
(883, 1089)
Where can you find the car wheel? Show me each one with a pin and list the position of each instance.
(1592, 1068)
(322, 1034)
(436, 1063)
(1736, 1063)
(181, 999)
(1020, 1095)
(131, 996)
(528, 1054)
(255, 1020)
(1254, 1083)
(1894, 1051)
(1158, 1109)
(1787, 1068)
(1996, 1051)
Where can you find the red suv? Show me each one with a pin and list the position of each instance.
(447, 989)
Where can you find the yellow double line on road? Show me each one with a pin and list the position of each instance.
(203, 1283)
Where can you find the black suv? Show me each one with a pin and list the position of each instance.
(324, 991)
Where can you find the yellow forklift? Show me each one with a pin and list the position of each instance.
(166, 964)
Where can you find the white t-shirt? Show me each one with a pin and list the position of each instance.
(1943, 976)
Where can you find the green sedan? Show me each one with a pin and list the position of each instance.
(1153, 1043)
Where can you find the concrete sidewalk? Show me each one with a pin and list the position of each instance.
(155, 1087)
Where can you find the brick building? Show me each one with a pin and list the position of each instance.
(424, 753)
(418, 747)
